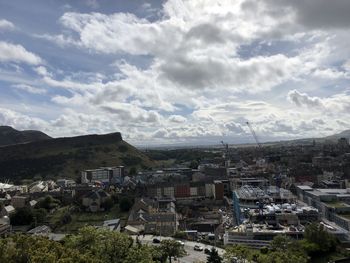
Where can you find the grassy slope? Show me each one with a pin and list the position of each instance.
(80, 219)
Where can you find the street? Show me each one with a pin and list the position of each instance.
(192, 255)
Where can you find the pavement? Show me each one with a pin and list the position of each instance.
(192, 255)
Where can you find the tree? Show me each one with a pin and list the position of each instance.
(172, 248)
(25, 248)
(125, 204)
(317, 239)
(22, 216)
(108, 204)
(280, 257)
(213, 256)
(286, 249)
(132, 171)
(39, 215)
(237, 253)
(194, 165)
(48, 203)
(108, 246)
(140, 254)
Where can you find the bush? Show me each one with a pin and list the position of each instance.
(123, 148)
(180, 234)
(48, 203)
(125, 204)
(107, 204)
(23, 216)
(40, 215)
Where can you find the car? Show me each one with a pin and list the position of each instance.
(198, 248)
(156, 241)
(207, 251)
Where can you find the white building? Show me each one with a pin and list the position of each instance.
(104, 175)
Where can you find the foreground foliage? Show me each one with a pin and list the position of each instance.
(317, 242)
(88, 245)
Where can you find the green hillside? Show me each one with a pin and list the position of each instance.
(66, 157)
(9, 135)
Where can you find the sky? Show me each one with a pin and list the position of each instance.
(177, 71)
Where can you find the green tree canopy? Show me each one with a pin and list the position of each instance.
(109, 246)
(172, 248)
(38, 249)
(22, 216)
(317, 239)
(125, 204)
(214, 256)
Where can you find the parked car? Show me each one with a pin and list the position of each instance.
(156, 241)
(198, 248)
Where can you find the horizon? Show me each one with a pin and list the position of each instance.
(176, 72)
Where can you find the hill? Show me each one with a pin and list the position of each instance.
(343, 134)
(66, 157)
(9, 135)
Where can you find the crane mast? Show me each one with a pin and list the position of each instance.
(254, 134)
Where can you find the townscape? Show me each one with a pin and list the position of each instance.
(174, 131)
(216, 197)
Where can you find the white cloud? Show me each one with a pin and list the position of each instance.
(177, 119)
(198, 70)
(92, 3)
(302, 99)
(17, 53)
(6, 25)
(30, 89)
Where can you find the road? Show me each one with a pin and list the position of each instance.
(192, 255)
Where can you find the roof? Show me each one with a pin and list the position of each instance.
(39, 229)
(19, 197)
(9, 209)
(304, 187)
(33, 202)
(132, 229)
(111, 222)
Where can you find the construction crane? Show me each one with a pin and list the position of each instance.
(254, 134)
(225, 145)
(225, 153)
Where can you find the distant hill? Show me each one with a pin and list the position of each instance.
(343, 134)
(9, 135)
(66, 157)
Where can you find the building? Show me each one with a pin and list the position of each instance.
(63, 183)
(250, 197)
(106, 175)
(154, 216)
(7, 211)
(93, 201)
(258, 235)
(5, 226)
(333, 205)
(18, 201)
(112, 225)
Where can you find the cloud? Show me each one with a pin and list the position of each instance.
(19, 120)
(17, 53)
(318, 14)
(6, 25)
(196, 71)
(92, 3)
(30, 89)
(177, 119)
(302, 99)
